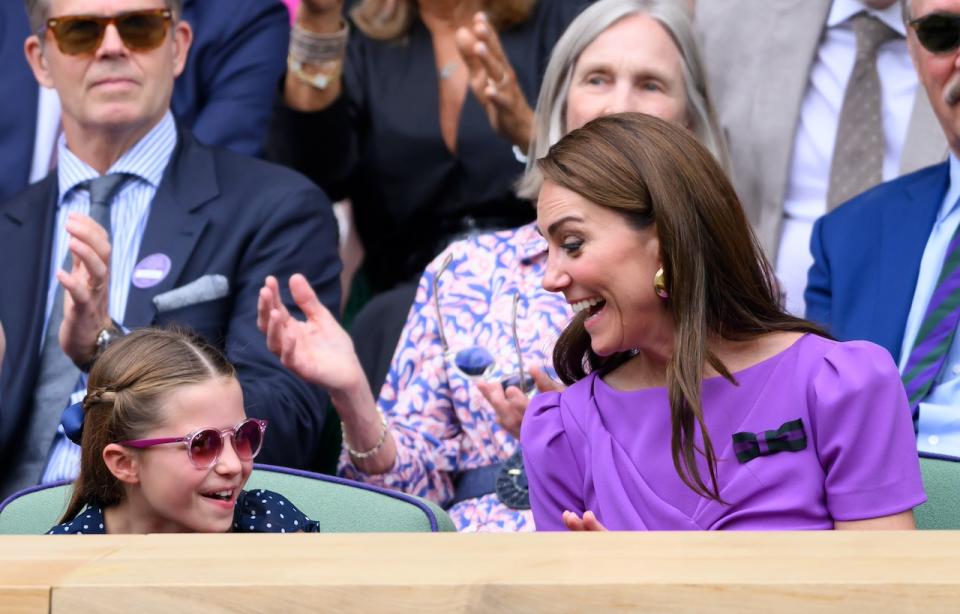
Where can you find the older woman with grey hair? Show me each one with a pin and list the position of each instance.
(481, 322)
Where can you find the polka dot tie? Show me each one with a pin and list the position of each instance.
(858, 154)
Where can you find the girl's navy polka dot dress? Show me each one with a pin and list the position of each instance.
(257, 511)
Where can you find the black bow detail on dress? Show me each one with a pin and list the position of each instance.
(790, 437)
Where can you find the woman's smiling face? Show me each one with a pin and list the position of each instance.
(633, 66)
(601, 263)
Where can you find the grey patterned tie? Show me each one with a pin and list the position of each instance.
(58, 375)
(858, 154)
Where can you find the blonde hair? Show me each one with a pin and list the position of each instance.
(371, 16)
(125, 392)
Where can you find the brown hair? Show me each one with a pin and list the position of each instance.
(126, 389)
(719, 283)
(371, 16)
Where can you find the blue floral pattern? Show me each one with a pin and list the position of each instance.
(440, 420)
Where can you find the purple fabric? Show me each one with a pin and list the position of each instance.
(595, 448)
(762, 445)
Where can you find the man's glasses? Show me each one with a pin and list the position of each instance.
(938, 32)
(139, 30)
(205, 445)
(477, 362)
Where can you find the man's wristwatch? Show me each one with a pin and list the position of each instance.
(105, 337)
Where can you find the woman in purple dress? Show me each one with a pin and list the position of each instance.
(695, 400)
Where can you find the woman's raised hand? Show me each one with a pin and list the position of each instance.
(494, 83)
(318, 350)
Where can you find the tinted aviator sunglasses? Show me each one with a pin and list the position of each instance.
(477, 362)
(139, 30)
(205, 445)
(938, 32)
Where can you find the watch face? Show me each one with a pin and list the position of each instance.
(512, 489)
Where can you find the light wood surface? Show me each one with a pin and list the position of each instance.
(659, 572)
(30, 566)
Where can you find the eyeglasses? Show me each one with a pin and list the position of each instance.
(205, 445)
(477, 362)
(139, 30)
(938, 32)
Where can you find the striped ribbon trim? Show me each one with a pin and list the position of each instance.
(937, 329)
(790, 437)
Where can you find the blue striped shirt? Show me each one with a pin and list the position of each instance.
(129, 212)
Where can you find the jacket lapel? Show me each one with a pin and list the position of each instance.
(175, 224)
(784, 70)
(906, 225)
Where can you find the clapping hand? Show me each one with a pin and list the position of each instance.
(318, 350)
(511, 404)
(86, 288)
(494, 83)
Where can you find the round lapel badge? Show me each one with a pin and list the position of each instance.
(151, 270)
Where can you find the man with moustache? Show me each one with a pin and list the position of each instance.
(142, 225)
(887, 263)
(793, 85)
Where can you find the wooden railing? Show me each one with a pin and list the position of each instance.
(850, 572)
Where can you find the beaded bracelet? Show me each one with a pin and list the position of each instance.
(315, 48)
(375, 448)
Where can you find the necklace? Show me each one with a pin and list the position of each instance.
(447, 70)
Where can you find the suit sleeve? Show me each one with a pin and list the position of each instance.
(296, 234)
(818, 295)
(238, 74)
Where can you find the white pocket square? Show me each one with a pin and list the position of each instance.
(202, 290)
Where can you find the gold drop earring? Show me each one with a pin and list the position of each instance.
(660, 284)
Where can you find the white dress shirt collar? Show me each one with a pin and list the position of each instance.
(146, 160)
(842, 10)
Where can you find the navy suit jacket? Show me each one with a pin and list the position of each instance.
(224, 96)
(867, 258)
(215, 212)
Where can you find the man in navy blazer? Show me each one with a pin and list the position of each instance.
(877, 258)
(224, 96)
(213, 213)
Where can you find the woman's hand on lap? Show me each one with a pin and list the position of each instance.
(589, 522)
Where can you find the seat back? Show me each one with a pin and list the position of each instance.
(941, 480)
(345, 506)
(339, 505)
(35, 510)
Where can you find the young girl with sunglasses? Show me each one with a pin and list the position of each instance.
(166, 446)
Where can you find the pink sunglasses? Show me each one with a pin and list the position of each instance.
(205, 445)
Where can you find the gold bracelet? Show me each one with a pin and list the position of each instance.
(375, 448)
(329, 72)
